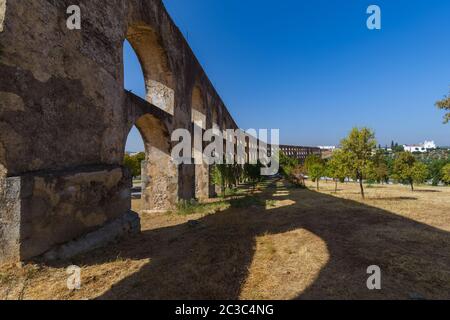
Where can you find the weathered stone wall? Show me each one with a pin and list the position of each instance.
(61, 108)
(2, 13)
(40, 211)
(9, 219)
(64, 114)
(63, 88)
(55, 208)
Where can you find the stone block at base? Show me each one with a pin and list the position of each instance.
(43, 210)
(113, 231)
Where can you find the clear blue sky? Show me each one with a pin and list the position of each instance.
(314, 70)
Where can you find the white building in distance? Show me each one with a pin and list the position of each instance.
(331, 148)
(423, 147)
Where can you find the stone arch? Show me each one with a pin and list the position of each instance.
(159, 80)
(159, 172)
(64, 118)
(199, 118)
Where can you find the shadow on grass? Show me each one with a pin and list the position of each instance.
(211, 259)
(371, 186)
(393, 198)
(427, 191)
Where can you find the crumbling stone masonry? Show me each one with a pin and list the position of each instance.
(65, 118)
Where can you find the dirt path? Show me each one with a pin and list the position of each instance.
(291, 244)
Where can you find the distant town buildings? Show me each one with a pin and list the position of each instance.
(430, 145)
(329, 148)
(300, 153)
(423, 147)
(427, 146)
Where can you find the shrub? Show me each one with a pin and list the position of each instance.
(446, 173)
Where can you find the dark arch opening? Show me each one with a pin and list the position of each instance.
(134, 148)
(144, 77)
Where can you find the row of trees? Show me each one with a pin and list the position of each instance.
(358, 159)
(227, 176)
(395, 147)
(354, 160)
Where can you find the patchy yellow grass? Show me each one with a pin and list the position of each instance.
(48, 283)
(284, 265)
(427, 204)
(292, 244)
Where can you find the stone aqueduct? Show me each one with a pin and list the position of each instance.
(65, 118)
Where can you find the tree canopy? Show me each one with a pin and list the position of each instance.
(315, 167)
(359, 146)
(408, 170)
(444, 104)
(380, 168)
(338, 167)
(133, 163)
(446, 173)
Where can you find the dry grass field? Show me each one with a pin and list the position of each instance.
(290, 244)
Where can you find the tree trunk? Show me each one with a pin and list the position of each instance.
(362, 187)
(335, 186)
(223, 190)
(412, 186)
(317, 184)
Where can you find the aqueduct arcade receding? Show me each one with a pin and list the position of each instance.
(64, 118)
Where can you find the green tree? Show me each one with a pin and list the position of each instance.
(133, 163)
(129, 163)
(312, 160)
(408, 170)
(315, 167)
(398, 148)
(359, 145)
(402, 169)
(225, 176)
(287, 165)
(419, 172)
(228, 176)
(316, 172)
(380, 167)
(252, 173)
(218, 177)
(446, 173)
(338, 167)
(382, 173)
(444, 104)
(435, 167)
